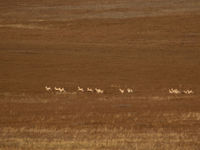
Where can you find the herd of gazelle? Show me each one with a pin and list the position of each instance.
(122, 91)
(79, 89)
(176, 91)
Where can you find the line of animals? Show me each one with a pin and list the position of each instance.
(79, 89)
(176, 91)
(122, 91)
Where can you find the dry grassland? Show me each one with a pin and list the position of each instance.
(148, 45)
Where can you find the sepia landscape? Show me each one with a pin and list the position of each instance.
(100, 75)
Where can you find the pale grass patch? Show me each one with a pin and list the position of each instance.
(172, 117)
(191, 116)
(22, 26)
(99, 138)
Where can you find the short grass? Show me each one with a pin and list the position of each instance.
(112, 123)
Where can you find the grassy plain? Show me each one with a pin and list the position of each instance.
(149, 46)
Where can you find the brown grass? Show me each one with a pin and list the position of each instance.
(100, 123)
(149, 46)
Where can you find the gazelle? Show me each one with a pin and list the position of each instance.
(122, 91)
(174, 91)
(47, 88)
(80, 89)
(99, 91)
(188, 92)
(89, 90)
(129, 90)
(61, 90)
(56, 89)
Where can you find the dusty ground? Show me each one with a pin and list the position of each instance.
(150, 46)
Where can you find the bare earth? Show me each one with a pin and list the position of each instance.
(147, 45)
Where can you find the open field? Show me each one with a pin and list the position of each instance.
(78, 122)
(148, 45)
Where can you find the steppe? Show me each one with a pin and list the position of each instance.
(147, 45)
